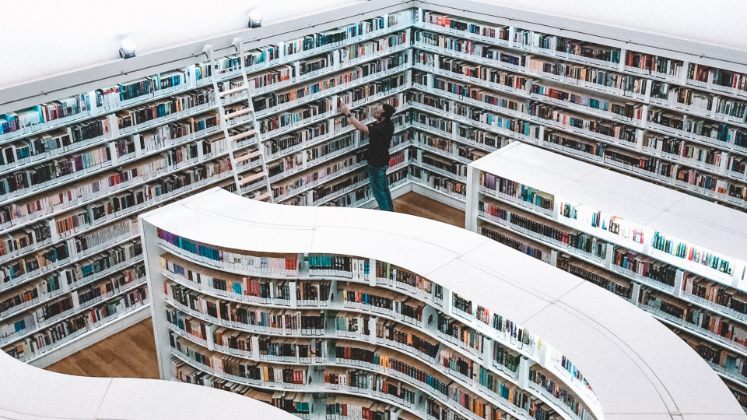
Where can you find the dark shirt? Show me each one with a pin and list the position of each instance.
(379, 139)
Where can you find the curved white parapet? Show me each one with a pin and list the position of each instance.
(27, 392)
(635, 367)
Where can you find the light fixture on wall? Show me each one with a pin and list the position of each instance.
(127, 48)
(255, 18)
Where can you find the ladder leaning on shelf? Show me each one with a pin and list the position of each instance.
(226, 117)
(257, 134)
(222, 112)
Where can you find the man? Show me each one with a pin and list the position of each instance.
(380, 135)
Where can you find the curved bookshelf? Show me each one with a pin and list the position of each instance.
(428, 320)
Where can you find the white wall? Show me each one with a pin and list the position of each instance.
(46, 37)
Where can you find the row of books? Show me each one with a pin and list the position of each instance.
(385, 329)
(467, 336)
(547, 68)
(559, 392)
(602, 278)
(684, 150)
(337, 265)
(276, 319)
(390, 271)
(644, 266)
(49, 338)
(47, 173)
(315, 176)
(714, 132)
(697, 317)
(613, 131)
(385, 299)
(649, 63)
(714, 292)
(369, 381)
(334, 37)
(639, 62)
(88, 190)
(524, 87)
(28, 238)
(689, 252)
(694, 180)
(450, 327)
(260, 264)
(290, 375)
(511, 241)
(59, 305)
(701, 319)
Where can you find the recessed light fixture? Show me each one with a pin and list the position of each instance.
(255, 18)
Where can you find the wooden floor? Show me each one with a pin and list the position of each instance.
(420, 205)
(128, 354)
(132, 352)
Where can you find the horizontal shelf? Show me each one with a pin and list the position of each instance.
(130, 158)
(52, 212)
(358, 185)
(524, 94)
(42, 325)
(81, 334)
(286, 386)
(693, 329)
(330, 91)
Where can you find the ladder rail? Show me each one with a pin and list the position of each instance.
(222, 113)
(239, 45)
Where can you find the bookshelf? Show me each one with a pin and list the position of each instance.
(637, 113)
(70, 396)
(255, 112)
(671, 254)
(329, 303)
(76, 172)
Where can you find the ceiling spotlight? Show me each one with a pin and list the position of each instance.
(127, 48)
(255, 18)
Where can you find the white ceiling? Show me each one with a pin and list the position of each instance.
(47, 37)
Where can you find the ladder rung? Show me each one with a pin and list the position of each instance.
(250, 179)
(247, 156)
(243, 135)
(230, 91)
(239, 112)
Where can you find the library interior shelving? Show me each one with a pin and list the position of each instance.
(83, 153)
(645, 243)
(33, 393)
(320, 309)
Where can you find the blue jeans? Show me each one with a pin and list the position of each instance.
(380, 187)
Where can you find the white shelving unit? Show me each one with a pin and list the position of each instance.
(120, 148)
(648, 244)
(205, 275)
(218, 139)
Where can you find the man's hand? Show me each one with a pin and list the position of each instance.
(344, 109)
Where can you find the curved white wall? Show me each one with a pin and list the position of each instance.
(27, 392)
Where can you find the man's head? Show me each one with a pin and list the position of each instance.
(383, 112)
